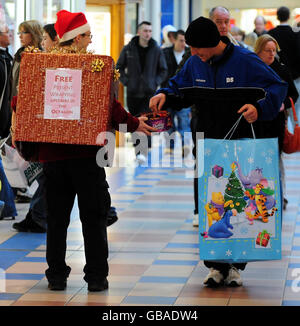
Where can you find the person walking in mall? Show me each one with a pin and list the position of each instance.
(289, 42)
(30, 34)
(180, 119)
(221, 17)
(143, 68)
(197, 83)
(6, 193)
(266, 48)
(72, 170)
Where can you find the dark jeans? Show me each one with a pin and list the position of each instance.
(193, 129)
(64, 180)
(38, 203)
(182, 126)
(137, 106)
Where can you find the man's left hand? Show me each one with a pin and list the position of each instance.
(250, 112)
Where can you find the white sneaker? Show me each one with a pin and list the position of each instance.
(196, 220)
(233, 278)
(214, 278)
(141, 159)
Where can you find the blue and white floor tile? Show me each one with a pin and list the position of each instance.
(154, 255)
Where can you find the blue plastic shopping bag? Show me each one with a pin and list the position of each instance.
(239, 200)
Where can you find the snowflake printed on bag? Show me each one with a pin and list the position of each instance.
(269, 160)
(207, 152)
(250, 160)
(228, 253)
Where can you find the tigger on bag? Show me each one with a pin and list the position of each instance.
(260, 201)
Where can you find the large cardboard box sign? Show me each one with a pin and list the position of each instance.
(62, 99)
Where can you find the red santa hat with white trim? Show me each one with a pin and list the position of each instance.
(69, 25)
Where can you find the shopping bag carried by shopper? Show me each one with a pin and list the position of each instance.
(239, 199)
(291, 142)
(19, 172)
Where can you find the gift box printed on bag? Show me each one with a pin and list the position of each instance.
(217, 171)
(263, 238)
(64, 98)
(239, 211)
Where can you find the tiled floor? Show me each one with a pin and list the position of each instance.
(153, 251)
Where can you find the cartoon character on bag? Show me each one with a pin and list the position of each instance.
(215, 208)
(252, 179)
(260, 200)
(220, 228)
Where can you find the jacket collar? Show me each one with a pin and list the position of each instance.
(226, 54)
(135, 42)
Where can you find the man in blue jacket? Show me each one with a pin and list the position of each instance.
(223, 81)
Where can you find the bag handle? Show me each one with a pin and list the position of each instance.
(233, 128)
(294, 111)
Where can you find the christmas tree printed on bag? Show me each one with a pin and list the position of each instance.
(234, 191)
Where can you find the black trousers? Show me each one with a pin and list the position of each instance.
(64, 180)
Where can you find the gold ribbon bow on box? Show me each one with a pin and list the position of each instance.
(97, 65)
(32, 49)
(116, 75)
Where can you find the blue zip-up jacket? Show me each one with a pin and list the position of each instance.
(219, 88)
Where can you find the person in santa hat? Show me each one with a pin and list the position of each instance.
(72, 170)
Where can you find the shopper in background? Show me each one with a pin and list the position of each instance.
(266, 48)
(143, 68)
(289, 43)
(36, 218)
(260, 26)
(260, 29)
(30, 34)
(6, 193)
(50, 39)
(180, 119)
(169, 36)
(239, 36)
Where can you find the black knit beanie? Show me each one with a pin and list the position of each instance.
(202, 33)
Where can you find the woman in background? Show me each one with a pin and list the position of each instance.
(266, 47)
(31, 34)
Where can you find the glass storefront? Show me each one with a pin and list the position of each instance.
(132, 20)
(99, 18)
(13, 12)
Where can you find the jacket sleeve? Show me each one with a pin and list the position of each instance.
(162, 68)
(121, 66)
(262, 76)
(2, 73)
(121, 116)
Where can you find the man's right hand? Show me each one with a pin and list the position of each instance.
(156, 102)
